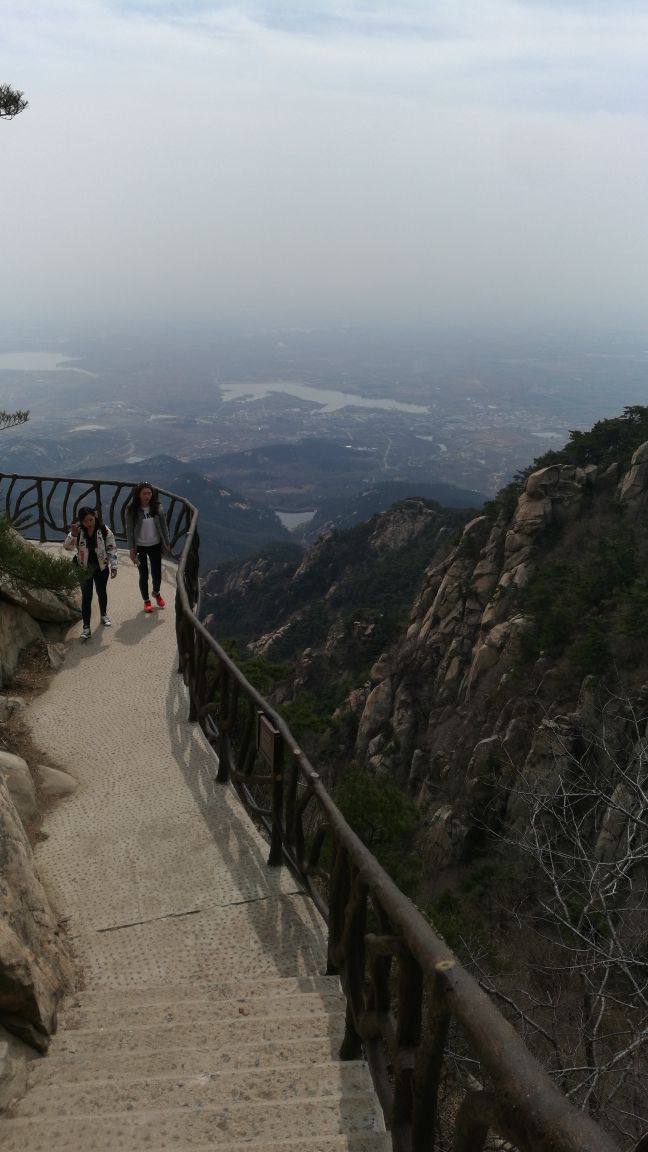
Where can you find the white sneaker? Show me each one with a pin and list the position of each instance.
(86, 634)
(106, 621)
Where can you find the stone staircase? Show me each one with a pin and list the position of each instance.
(233, 1065)
(163, 883)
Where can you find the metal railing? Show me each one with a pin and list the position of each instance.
(46, 506)
(410, 1004)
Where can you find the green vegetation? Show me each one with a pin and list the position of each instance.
(386, 821)
(12, 419)
(607, 442)
(345, 583)
(303, 716)
(262, 673)
(588, 594)
(27, 567)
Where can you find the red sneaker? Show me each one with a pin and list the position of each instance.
(148, 607)
(159, 600)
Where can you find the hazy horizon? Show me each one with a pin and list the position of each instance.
(256, 164)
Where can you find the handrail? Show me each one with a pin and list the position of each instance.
(50, 503)
(405, 990)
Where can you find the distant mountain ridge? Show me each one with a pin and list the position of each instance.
(309, 472)
(234, 526)
(230, 525)
(356, 584)
(346, 511)
(236, 493)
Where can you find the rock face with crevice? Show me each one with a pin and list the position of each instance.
(34, 963)
(442, 711)
(456, 696)
(31, 617)
(34, 966)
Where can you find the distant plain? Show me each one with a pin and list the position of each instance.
(254, 409)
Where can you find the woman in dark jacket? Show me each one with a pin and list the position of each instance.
(146, 535)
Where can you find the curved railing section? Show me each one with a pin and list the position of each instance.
(42, 507)
(417, 1014)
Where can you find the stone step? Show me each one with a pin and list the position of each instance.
(105, 1065)
(216, 1127)
(101, 998)
(190, 1012)
(358, 1142)
(210, 1035)
(205, 1089)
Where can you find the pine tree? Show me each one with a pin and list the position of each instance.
(11, 419)
(12, 102)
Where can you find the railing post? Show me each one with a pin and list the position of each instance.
(270, 745)
(353, 971)
(410, 1000)
(427, 1075)
(41, 511)
(276, 839)
(290, 786)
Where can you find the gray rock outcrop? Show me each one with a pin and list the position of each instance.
(17, 632)
(34, 965)
(465, 633)
(20, 785)
(633, 490)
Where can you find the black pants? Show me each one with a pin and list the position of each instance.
(98, 580)
(149, 555)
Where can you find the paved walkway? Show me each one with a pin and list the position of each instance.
(149, 840)
(193, 957)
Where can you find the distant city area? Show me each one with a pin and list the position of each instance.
(260, 410)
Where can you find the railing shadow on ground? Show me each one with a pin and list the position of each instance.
(240, 851)
(411, 1007)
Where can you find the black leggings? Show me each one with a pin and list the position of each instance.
(98, 580)
(149, 555)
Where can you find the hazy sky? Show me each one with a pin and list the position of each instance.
(456, 161)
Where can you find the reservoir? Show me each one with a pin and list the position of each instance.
(292, 520)
(327, 399)
(38, 362)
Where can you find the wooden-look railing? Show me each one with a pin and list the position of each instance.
(43, 507)
(411, 1006)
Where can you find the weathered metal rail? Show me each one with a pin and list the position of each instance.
(45, 506)
(405, 991)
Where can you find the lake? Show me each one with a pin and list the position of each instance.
(327, 399)
(292, 520)
(38, 362)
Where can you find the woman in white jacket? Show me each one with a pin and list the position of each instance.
(96, 551)
(146, 536)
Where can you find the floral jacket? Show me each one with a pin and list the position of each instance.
(106, 549)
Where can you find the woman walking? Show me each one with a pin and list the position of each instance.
(146, 535)
(96, 551)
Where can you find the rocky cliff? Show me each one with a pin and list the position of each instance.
(507, 619)
(507, 636)
(34, 963)
(491, 743)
